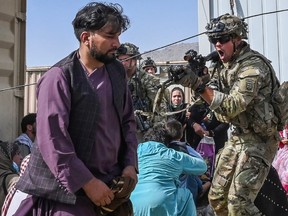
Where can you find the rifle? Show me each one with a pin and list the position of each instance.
(141, 124)
(139, 106)
(175, 73)
(196, 62)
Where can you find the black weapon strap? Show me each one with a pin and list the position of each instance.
(138, 87)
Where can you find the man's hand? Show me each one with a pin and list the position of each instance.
(98, 192)
(130, 171)
(187, 77)
(198, 129)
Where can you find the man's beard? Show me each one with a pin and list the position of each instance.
(104, 58)
(34, 130)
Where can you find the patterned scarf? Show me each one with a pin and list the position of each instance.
(25, 140)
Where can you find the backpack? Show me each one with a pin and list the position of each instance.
(206, 148)
(279, 92)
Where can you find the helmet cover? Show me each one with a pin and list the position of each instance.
(148, 63)
(128, 49)
(227, 25)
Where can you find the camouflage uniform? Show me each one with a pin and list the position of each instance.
(165, 97)
(243, 164)
(246, 81)
(146, 86)
(143, 88)
(245, 86)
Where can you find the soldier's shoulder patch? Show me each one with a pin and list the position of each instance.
(250, 85)
(248, 80)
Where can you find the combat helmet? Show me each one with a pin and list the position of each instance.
(227, 24)
(148, 63)
(128, 49)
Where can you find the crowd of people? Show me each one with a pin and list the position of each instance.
(112, 141)
(12, 155)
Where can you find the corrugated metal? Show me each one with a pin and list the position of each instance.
(32, 76)
(12, 66)
(267, 33)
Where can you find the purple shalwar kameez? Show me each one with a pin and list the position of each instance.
(54, 100)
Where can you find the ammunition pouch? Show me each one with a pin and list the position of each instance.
(140, 106)
(238, 130)
(260, 119)
(264, 120)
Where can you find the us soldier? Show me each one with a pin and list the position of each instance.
(149, 66)
(143, 87)
(246, 79)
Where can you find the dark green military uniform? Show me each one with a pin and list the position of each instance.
(145, 87)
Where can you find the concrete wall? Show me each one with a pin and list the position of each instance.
(12, 66)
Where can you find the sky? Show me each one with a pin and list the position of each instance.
(154, 23)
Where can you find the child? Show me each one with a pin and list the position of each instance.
(192, 182)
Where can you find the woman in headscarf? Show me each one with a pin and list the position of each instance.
(177, 103)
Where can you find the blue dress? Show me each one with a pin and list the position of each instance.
(157, 191)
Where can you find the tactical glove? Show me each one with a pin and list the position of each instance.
(184, 76)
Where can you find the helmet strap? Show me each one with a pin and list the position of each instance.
(236, 48)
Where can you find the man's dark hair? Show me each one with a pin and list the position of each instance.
(157, 133)
(174, 130)
(29, 119)
(164, 132)
(95, 16)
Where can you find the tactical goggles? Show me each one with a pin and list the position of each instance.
(215, 26)
(222, 40)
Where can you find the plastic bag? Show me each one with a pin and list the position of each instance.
(206, 148)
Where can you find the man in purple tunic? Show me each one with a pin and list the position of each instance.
(85, 123)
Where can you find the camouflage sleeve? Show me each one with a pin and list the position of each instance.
(244, 90)
(163, 107)
(167, 96)
(150, 85)
(165, 100)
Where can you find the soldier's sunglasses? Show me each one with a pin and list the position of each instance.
(222, 40)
